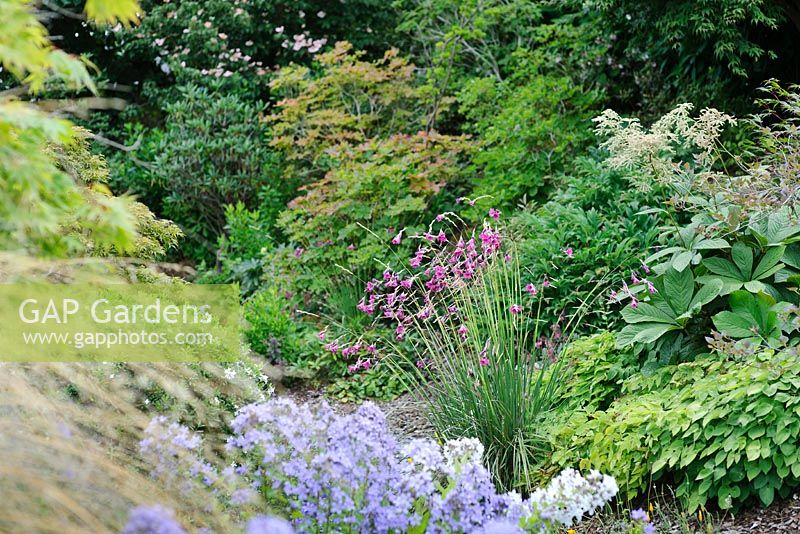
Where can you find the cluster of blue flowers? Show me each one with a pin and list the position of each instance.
(347, 473)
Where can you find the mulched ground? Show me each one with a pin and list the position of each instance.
(782, 517)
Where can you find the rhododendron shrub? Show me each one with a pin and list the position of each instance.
(348, 473)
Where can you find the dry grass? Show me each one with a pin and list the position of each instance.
(69, 432)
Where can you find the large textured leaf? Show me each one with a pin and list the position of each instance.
(734, 325)
(712, 244)
(755, 310)
(646, 312)
(679, 289)
(743, 258)
(706, 294)
(729, 285)
(642, 333)
(769, 262)
(682, 260)
(723, 267)
(791, 256)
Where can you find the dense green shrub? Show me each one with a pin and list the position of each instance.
(381, 187)
(216, 38)
(597, 215)
(272, 329)
(342, 102)
(734, 264)
(212, 152)
(531, 131)
(153, 236)
(723, 432)
(700, 51)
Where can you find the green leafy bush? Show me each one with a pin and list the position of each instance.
(201, 40)
(38, 198)
(694, 49)
(597, 215)
(594, 371)
(531, 130)
(153, 237)
(739, 248)
(272, 330)
(341, 103)
(722, 432)
(381, 187)
(213, 152)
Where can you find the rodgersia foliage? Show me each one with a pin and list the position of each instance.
(735, 262)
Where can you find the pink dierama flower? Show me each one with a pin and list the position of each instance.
(298, 252)
(634, 278)
(321, 335)
(332, 346)
(546, 282)
(634, 303)
(494, 214)
(516, 309)
(484, 361)
(645, 268)
(568, 252)
(396, 239)
(400, 332)
(440, 217)
(650, 287)
(442, 237)
(531, 289)
(462, 332)
(507, 257)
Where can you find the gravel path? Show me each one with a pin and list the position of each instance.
(405, 415)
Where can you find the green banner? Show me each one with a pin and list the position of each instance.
(119, 322)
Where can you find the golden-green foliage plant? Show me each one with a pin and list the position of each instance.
(37, 198)
(154, 236)
(721, 432)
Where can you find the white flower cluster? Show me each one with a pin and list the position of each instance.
(570, 496)
(631, 146)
